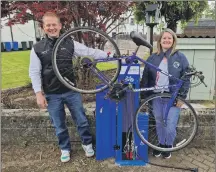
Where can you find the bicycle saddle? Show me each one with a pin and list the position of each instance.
(139, 40)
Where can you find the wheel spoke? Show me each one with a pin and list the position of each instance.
(102, 73)
(179, 135)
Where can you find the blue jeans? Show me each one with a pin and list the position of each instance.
(166, 134)
(57, 114)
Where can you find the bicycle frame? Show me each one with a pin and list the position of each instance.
(132, 59)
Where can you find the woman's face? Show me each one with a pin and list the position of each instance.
(166, 40)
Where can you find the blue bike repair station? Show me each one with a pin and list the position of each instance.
(113, 121)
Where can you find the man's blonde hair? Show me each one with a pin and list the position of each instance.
(159, 48)
(50, 14)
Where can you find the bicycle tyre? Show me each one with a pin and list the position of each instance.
(56, 70)
(166, 95)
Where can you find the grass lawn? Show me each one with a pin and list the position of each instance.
(15, 69)
(106, 66)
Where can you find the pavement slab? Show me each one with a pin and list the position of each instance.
(45, 157)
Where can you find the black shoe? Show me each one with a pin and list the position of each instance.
(166, 155)
(157, 153)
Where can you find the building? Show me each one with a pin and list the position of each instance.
(20, 32)
(31, 31)
(204, 28)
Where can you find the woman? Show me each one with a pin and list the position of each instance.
(175, 63)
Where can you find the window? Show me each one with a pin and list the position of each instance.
(132, 21)
(126, 21)
(121, 20)
(114, 22)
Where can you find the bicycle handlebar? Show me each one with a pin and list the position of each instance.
(201, 77)
(199, 74)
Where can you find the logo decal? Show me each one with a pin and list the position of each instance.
(129, 79)
(44, 52)
(176, 64)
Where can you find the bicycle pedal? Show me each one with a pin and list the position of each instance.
(135, 61)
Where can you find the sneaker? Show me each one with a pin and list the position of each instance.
(65, 155)
(167, 155)
(89, 152)
(157, 153)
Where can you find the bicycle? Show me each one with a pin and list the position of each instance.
(82, 66)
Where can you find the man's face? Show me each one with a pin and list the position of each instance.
(52, 26)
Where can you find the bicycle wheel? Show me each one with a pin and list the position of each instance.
(75, 75)
(181, 125)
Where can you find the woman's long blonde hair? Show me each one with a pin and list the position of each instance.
(159, 48)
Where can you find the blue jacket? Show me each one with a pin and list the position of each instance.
(177, 66)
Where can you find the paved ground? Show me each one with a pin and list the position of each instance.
(45, 158)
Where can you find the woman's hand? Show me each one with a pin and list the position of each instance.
(179, 104)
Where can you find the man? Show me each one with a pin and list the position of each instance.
(56, 95)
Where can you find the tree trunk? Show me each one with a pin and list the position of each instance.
(172, 25)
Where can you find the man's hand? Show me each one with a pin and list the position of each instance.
(86, 61)
(41, 101)
(111, 55)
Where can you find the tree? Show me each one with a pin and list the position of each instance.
(210, 11)
(99, 14)
(5, 8)
(174, 11)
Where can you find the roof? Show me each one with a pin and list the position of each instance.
(194, 36)
(201, 23)
(205, 28)
(151, 7)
